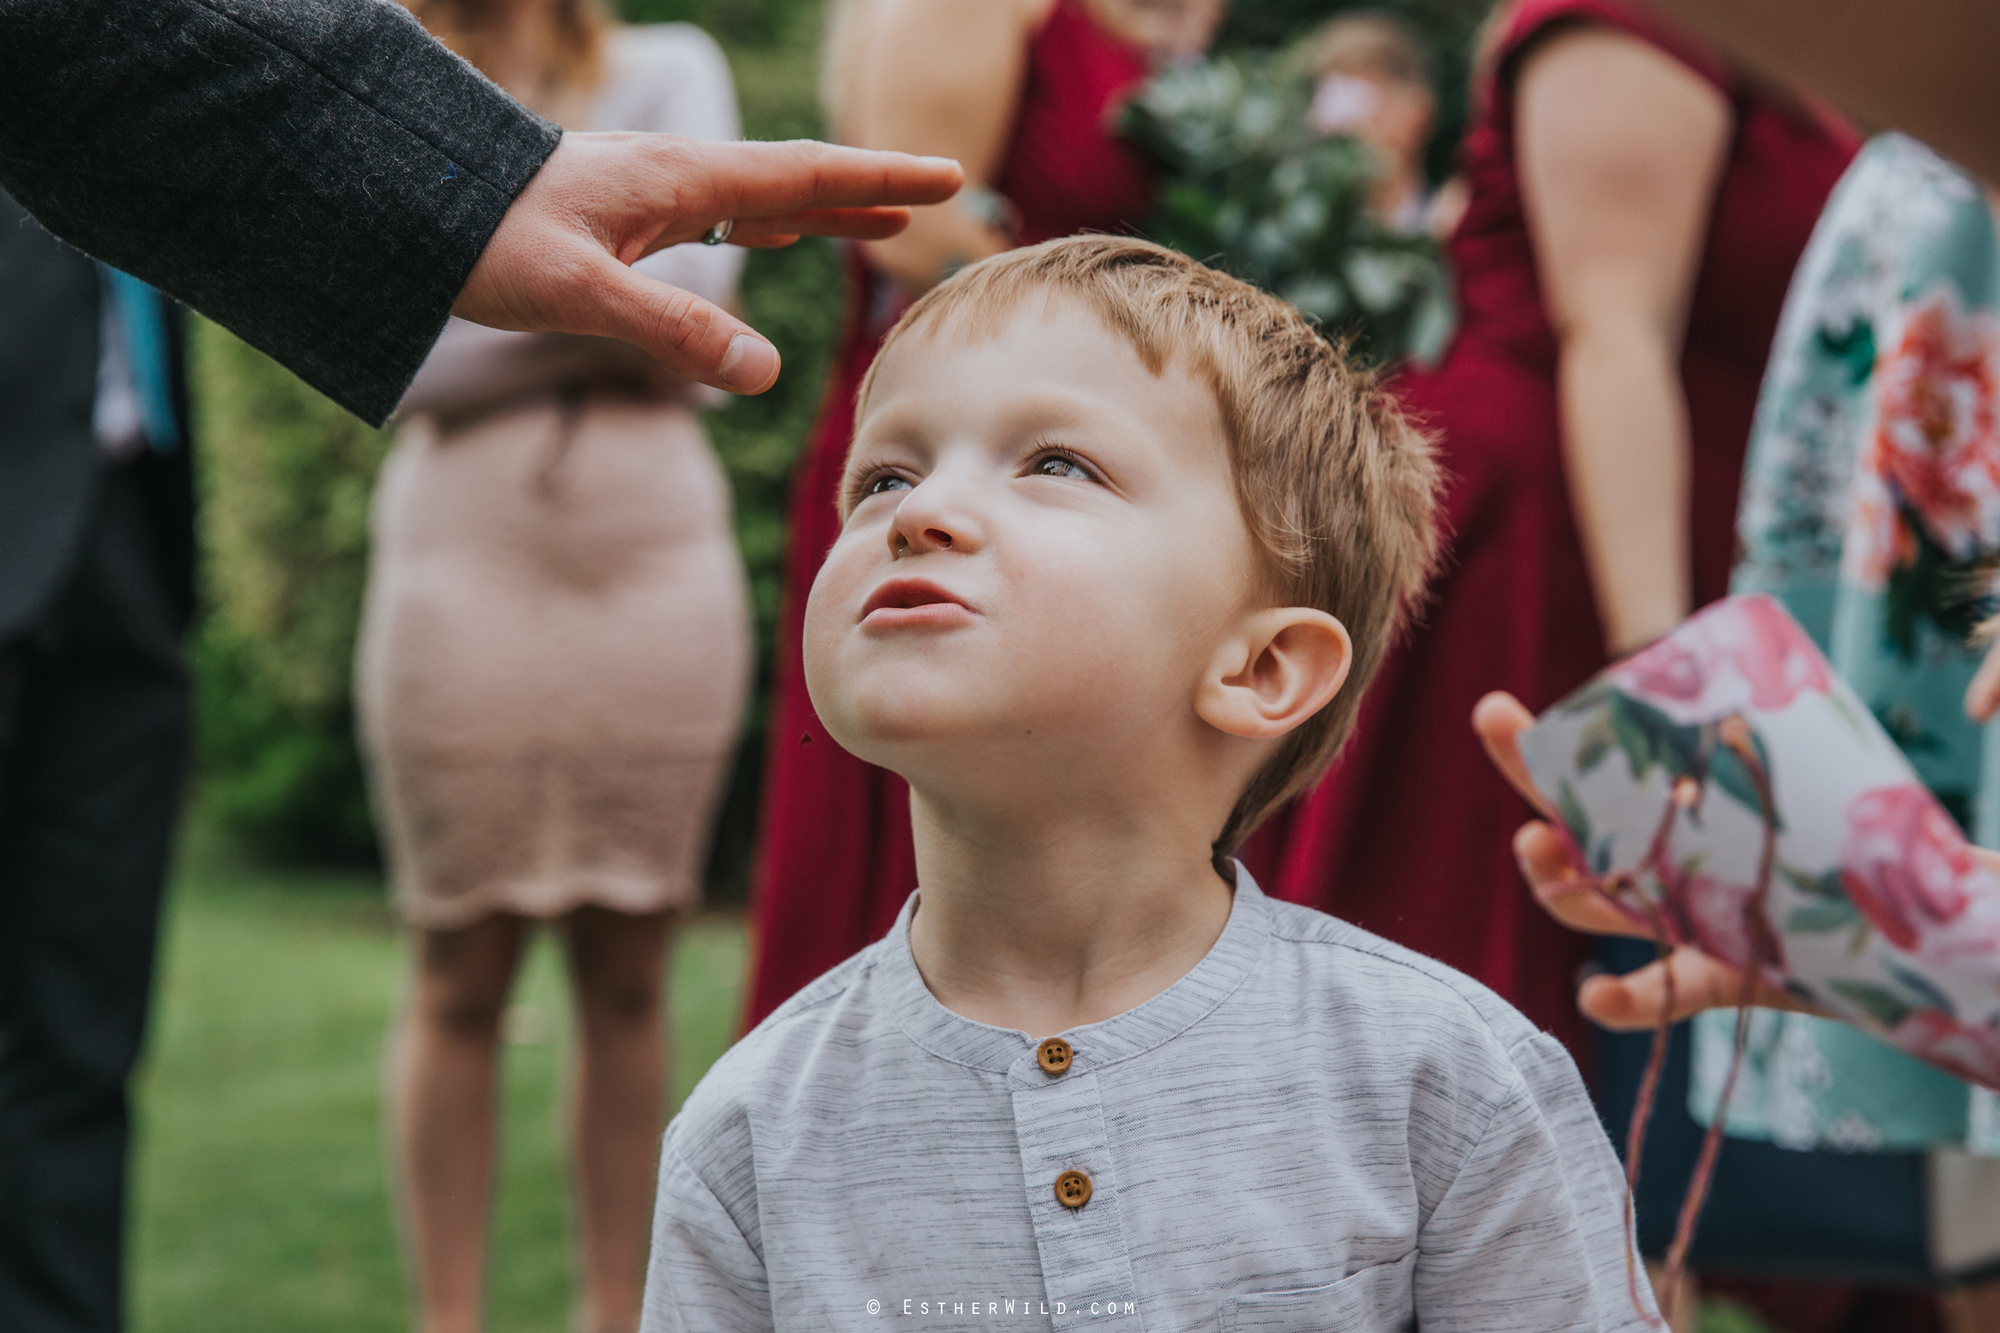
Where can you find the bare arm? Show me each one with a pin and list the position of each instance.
(1620, 149)
(941, 78)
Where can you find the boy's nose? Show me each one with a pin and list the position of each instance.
(933, 517)
(904, 543)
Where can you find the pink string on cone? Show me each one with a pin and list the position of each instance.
(1621, 889)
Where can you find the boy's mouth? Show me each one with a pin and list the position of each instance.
(914, 602)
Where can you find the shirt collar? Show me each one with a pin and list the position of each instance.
(949, 1036)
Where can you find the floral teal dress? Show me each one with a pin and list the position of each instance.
(1871, 509)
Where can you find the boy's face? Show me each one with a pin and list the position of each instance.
(1042, 553)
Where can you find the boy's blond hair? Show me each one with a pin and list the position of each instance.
(1337, 487)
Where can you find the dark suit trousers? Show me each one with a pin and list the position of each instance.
(94, 719)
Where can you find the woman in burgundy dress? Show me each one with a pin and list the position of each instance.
(1636, 209)
(1020, 92)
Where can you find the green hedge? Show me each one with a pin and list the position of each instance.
(285, 477)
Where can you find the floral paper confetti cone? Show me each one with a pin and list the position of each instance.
(1729, 791)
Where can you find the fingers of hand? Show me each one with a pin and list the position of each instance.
(1701, 981)
(1619, 1003)
(691, 337)
(681, 187)
(1634, 1001)
(768, 179)
(1561, 886)
(1544, 858)
(861, 224)
(1500, 718)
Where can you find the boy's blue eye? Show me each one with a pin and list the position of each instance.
(1060, 465)
(888, 481)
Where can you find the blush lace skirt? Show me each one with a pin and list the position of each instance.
(554, 654)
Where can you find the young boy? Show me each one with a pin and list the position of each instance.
(1123, 542)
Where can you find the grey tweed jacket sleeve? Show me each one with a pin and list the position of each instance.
(317, 175)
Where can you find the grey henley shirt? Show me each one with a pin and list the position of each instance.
(1314, 1129)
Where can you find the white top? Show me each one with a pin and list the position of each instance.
(115, 419)
(1314, 1129)
(668, 78)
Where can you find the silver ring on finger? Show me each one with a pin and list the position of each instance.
(719, 233)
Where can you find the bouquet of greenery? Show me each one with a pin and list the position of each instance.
(1253, 188)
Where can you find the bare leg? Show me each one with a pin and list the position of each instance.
(617, 962)
(442, 1100)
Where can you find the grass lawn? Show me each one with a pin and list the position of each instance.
(261, 1196)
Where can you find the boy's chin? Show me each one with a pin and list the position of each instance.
(887, 736)
(905, 734)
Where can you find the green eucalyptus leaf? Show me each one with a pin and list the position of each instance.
(1633, 739)
(1827, 887)
(1823, 918)
(1594, 742)
(1928, 995)
(1879, 1004)
(1255, 190)
(1727, 770)
(1574, 817)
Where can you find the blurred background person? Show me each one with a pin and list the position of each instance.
(1875, 428)
(1375, 82)
(1635, 210)
(1021, 92)
(96, 589)
(552, 664)
(1876, 416)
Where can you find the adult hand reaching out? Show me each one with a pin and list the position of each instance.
(560, 259)
(326, 180)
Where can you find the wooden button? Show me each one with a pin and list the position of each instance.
(1054, 1056)
(1072, 1189)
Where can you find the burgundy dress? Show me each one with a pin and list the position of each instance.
(836, 862)
(1410, 835)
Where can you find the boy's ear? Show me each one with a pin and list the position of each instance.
(1283, 665)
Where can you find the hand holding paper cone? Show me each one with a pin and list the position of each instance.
(1878, 910)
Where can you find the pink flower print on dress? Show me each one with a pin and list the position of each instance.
(1935, 449)
(1715, 915)
(1969, 1052)
(1878, 541)
(1907, 869)
(1742, 653)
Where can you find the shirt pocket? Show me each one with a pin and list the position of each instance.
(1375, 1300)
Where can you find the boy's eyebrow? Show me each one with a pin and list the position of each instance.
(1034, 409)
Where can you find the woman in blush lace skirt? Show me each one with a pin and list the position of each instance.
(554, 654)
